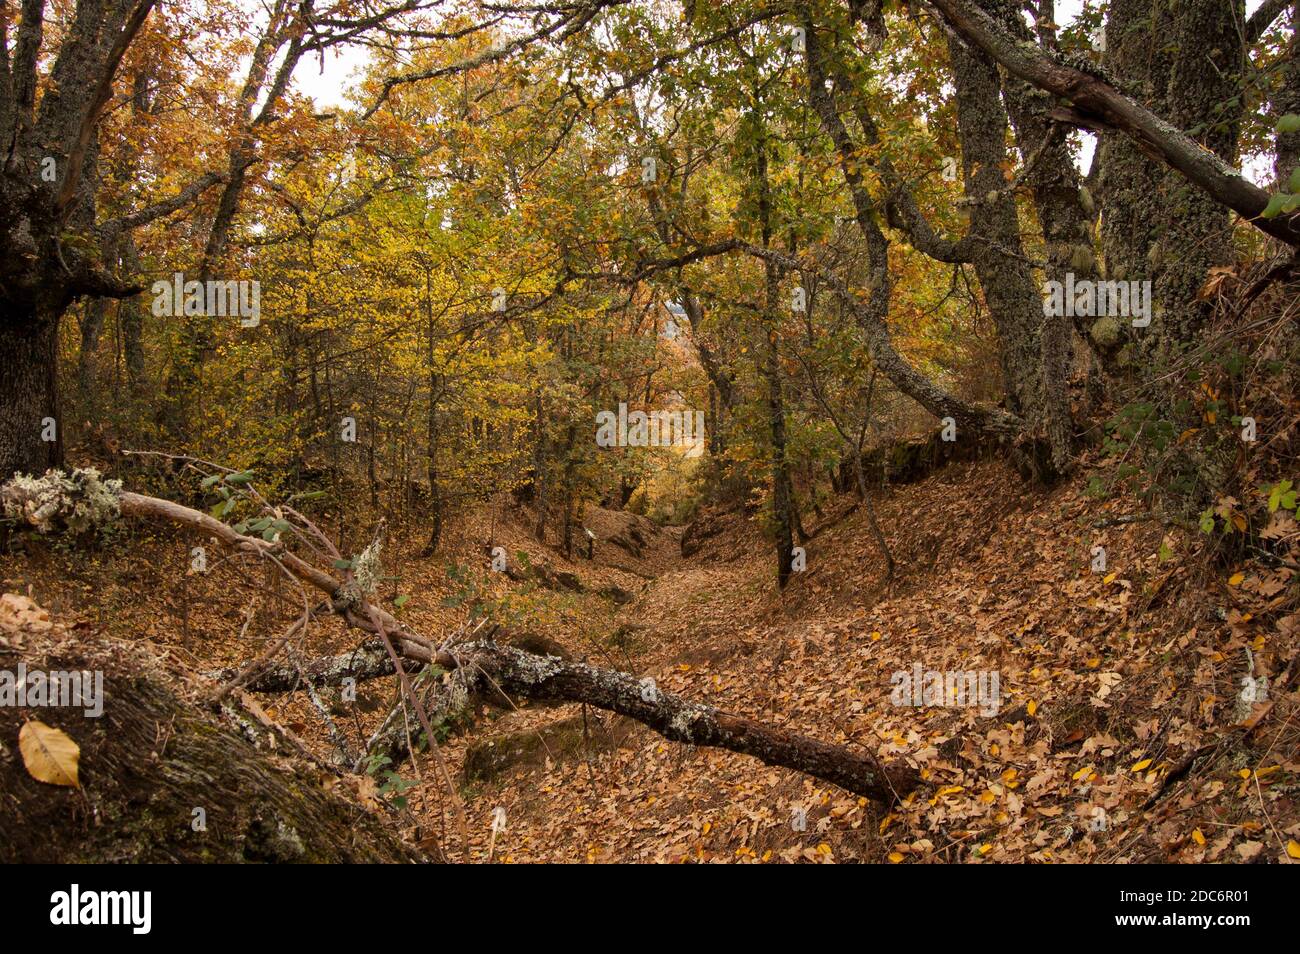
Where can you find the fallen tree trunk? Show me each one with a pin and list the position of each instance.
(491, 669)
(486, 667)
(675, 718)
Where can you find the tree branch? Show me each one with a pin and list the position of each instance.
(1095, 99)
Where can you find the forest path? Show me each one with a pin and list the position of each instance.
(1104, 682)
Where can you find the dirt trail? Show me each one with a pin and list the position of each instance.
(1097, 673)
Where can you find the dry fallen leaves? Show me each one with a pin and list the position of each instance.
(49, 754)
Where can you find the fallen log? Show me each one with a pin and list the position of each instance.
(486, 667)
(490, 669)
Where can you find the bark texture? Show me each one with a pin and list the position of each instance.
(147, 764)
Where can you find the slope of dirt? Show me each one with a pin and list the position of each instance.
(1113, 737)
(1109, 682)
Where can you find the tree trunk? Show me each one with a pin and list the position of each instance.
(1004, 273)
(1196, 231)
(1288, 101)
(147, 764)
(92, 327)
(28, 395)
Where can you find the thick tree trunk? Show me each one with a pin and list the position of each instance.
(1196, 231)
(1287, 150)
(29, 395)
(1129, 179)
(782, 492)
(145, 767)
(1287, 155)
(1034, 354)
(1005, 275)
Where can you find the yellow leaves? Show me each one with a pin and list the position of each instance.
(708, 827)
(1140, 765)
(1109, 578)
(895, 858)
(1085, 774)
(1032, 707)
(49, 754)
(1293, 848)
(1198, 837)
(1236, 578)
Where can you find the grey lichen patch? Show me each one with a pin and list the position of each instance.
(686, 719)
(79, 501)
(368, 570)
(534, 670)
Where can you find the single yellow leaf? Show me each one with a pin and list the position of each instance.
(1109, 578)
(1197, 836)
(1293, 848)
(1236, 578)
(49, 754)
(895, 857)
(1141, 765)
(1032, 707)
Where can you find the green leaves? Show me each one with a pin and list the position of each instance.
(1290, 123)
(1282, 494)
(1283, 203)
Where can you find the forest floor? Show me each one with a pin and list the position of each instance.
(1110, 681)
